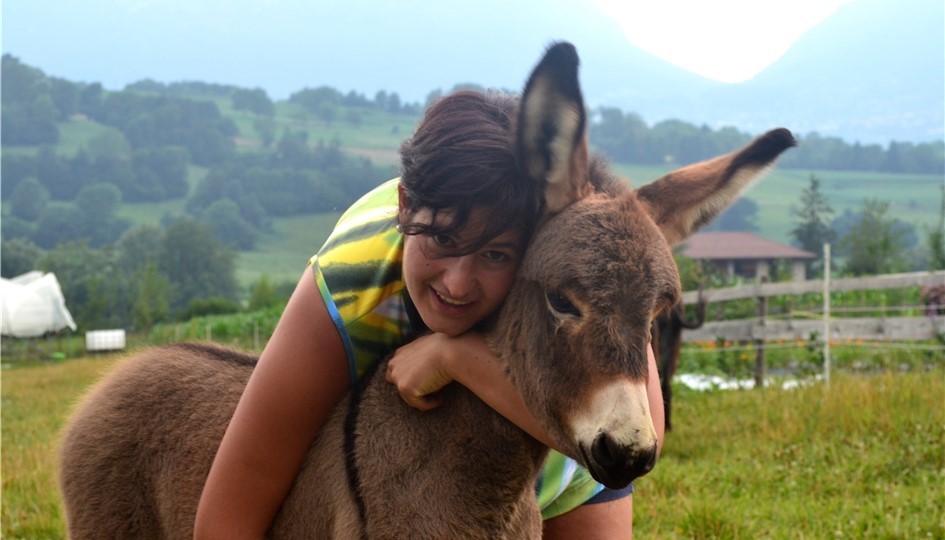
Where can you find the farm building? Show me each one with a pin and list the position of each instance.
(743, 254)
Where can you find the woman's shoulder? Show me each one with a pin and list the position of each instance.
(359, 266)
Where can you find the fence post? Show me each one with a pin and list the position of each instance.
(826, 293)
(760, 342)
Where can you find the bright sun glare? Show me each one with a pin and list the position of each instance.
(729, 41)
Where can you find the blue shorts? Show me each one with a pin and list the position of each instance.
(608, 495)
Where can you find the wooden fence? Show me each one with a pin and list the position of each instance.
(921, 324)
(802, 325)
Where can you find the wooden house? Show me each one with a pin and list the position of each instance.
(744, 254)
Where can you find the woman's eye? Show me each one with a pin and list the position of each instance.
(497, 256)
(442, 240)
(562, 305)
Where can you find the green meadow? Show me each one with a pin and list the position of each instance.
(862, 458)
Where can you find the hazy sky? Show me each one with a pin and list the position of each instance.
(271, 43)
(725, 40)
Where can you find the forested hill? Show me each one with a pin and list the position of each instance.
(240, 159)
(222, 162)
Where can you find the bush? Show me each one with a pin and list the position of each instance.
(208, 306)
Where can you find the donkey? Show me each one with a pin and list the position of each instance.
(572, 334)
(667, 343)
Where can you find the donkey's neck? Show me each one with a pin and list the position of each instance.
(461, 455)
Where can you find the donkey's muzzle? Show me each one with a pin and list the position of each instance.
(616, 465)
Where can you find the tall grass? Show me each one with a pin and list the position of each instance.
(864, 458)
(36, 401)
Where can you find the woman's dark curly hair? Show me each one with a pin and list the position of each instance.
(461, 158)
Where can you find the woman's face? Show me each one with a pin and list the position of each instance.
(455, 292)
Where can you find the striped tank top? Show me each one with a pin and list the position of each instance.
(358, 272)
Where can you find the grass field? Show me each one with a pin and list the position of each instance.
(864, 458)
(283, 254)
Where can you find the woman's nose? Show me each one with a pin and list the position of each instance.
(459, 277)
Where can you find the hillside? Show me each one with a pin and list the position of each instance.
(273, 181)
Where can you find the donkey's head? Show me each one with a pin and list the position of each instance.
(576, 325)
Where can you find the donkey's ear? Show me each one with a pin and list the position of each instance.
(551, 140)
(686, 199)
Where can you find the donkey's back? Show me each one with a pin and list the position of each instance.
(139, 448)
(123, 475)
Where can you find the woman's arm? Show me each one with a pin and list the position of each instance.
(301, 375)
(424, 366)
(421, 368)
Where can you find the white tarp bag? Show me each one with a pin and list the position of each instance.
(33, 305)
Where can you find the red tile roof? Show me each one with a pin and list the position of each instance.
(739, 245)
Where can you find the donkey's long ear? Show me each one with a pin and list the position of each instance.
(551, 139)
(686, 199)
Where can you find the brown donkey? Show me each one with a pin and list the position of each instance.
(573, 335)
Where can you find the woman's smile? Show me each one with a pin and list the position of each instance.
(454, 292)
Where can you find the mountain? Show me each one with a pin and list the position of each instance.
(872, 72)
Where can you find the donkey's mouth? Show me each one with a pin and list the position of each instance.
(616, 465)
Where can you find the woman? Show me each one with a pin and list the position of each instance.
(432, 253)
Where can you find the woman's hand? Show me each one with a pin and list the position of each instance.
(419, 370)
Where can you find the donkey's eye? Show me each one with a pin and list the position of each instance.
(562, 305)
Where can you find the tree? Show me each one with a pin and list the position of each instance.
(197, 265)
(293, 148)
(14, 168)
(266, 128)
(223, 216)
(29, 199)
(89, 283)
(139, 247)
(98, 206)
(14, 227)
(255, 100)
(875, 243)
(18, 256)
(936, 239)
(380, 99)
(327, 112)
(106, 158)
(29, 112)
(58, 223)
(150, 290)
(741, 216)
(262, 294)
(160, 173)
(432, 97)
(147, 289)
(813, 229)
(393, 103)
(313, 98)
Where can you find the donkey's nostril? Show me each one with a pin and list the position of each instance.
(605, 450)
